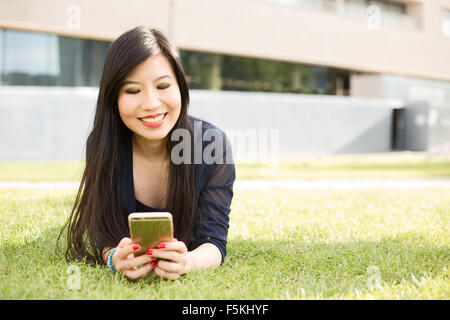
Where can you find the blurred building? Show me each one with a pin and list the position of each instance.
(340, 47)
(362, 48)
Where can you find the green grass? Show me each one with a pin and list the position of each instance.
(350, 167)
(41, 171)
(380, 166)
(283, 244)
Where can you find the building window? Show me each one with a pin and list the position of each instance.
(225, 72)
(40, 59)
(388, 13)
(446, 22)
(391, 13)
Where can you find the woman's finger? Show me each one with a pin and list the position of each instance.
(179, 246)
(166, 255)
(124, 242)
(123, 252)
(167, 275)
(134, 274)
(137, 261)
(123, 255)
(170, 267)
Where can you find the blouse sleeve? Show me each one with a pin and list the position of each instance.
(215, 201)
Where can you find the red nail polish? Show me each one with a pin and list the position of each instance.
(135, 247)
(153, 263)
(161, 245)
(149, 252)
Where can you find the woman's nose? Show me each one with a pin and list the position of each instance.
(151, 100)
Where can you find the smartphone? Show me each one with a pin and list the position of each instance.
(148, 229)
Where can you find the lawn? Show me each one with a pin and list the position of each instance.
(283, 244)
(403, 165)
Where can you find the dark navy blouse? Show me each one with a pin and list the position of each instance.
(213, 181)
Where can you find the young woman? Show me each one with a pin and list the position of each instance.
(143, 99)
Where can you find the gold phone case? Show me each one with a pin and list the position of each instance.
(150, 228)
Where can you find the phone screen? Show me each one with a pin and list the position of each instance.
(149, 231)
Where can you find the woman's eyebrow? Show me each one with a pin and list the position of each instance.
(130, 82)
(164, 76)
(137, 82)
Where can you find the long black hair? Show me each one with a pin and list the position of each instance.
(97, 219)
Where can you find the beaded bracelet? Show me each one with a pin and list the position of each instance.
(109, 263)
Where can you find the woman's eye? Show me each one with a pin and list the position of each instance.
(131, 91)
(164, 86)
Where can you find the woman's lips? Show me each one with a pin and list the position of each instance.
(152, 116)
(149, 121)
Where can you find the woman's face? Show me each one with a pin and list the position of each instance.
(150, 101)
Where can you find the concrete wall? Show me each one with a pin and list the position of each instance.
(52, 123)
(307, 124)
(42, 123)
(425, 127)
(385, 86)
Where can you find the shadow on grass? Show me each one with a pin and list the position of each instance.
(255, 269)
(395, 257)
(40, 247)
(391, 260)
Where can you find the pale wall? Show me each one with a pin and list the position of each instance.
(251, 28)
(52, 123)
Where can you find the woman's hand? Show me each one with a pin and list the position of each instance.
(174, 259)
(124, 260)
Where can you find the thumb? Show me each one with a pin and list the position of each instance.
(124, 242)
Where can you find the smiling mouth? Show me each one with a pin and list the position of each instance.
(154, 119)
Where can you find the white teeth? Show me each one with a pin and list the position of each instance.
(152, 120)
